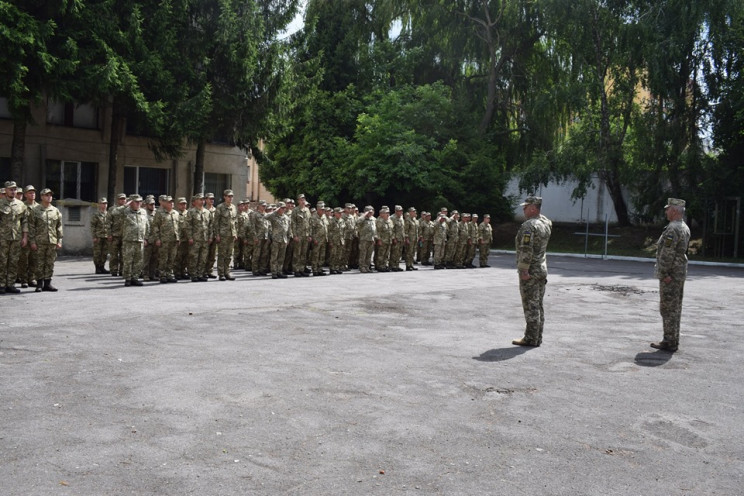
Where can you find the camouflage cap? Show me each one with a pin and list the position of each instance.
(46, 191)
(134, 198)
(281, 205)
(532, 200)
(443, 209)
(121, 196)
(262, 202)
(475, 216)
(102, 200)
(369, 208)
(182, 199)
(455, 212)
(228, 192)
(465, 214)
(150, 201)
(10, 184)
(398, 207)
(197, 196)
(168, 198)
(487, 216)
(209, 195)
(28, 188)
(675, 202)
(338, 210)
(301, 196)
(411, 209)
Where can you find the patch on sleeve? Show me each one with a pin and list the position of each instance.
(526, 238)
(668, 240)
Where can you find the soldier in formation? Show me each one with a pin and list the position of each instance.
(45, 238)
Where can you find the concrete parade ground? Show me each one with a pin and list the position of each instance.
(383, 384)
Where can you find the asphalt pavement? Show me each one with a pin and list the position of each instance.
(383, 384)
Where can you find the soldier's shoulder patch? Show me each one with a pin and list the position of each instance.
(526, 237)
(668, 240)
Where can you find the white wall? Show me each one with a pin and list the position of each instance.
(560, 207)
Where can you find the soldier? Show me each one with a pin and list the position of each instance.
(247, 233)
(199, 233)
(301, 232)
(485, 238)
(319, 235)
(150, 254)
(453, 237)
(260, 237)
(225, 233)
(99, 230)
(531, 245)
(166, 231)
(212, 248)
(45, 234)
(135, 230)
(13, 237)
(367, 228)
(398, 239)
(349, 231)
(439, 239)
(385, 227)
(354, 253)
(114, 233)
(336, 240)
(463, 240)
(412, 237)
(182, 254)
(427, 235)
(288, 253)
(280, 236)
(671, 271)
(27, 260)
(239, 247)
(473, 242)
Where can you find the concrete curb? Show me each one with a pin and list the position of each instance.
(627, 259)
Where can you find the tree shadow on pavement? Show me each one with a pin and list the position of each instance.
(501, 354)
(653, 359)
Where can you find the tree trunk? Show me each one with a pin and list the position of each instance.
(199, 166)
(18, 150)
(116, 122)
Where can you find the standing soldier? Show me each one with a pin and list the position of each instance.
(247, 238)
(399, 236)
(336, 241)
(485, 238)
(135, 230)
(198, 231)
(319, 235)
(238, 248)
(150, 256)
(439, 240)
(260, 237)
(412, 237)
(45, 233)
(301, 232)
(280, 236)
(453, 235)
(531, 245)
(13, 237)
(671, 271)
(349, 230)
(354, 254)
(463, 241)
(367, 229)
(212, 248)
(99, 230)
(27, 260)
(182, 255)
(427, 238)
(385, 227)
(288, 253)
(166, 231)
(114, 233)
(225, 233)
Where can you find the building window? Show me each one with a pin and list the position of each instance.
(146, 181)
(4, 110)
(216, 183)
(72, 180)
(81, 115)
(4, 169)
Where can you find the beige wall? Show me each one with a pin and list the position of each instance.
(54, 142)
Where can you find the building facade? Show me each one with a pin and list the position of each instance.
(67, 150)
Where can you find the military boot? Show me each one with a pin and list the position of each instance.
(48, 286)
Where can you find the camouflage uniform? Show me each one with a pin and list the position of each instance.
(150, 252)
(301, 231)
(115, 256)
(411, 238)
(319, 234)
(280, 236)
(27, 260)
(212, 247)
(385, 229)
(166, 231)
(45, 232)
(463, 242)
(239, 246)
(248, 237)
(225, 226)
(367, 229)
(13, 227)
(182, 253)
(439, 240)
(135, 230)
(336, 241)
(485, 238)
(198, 232)
(453, 236)
(99, 231)
(426, 227)
(398, 239)
(260, 242)
(349, 232)
(671, 261)
(531, 244)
